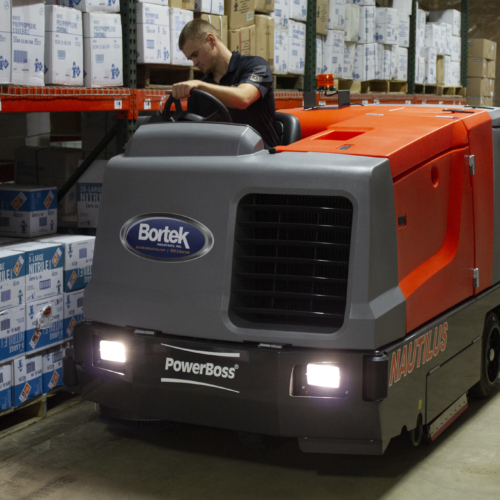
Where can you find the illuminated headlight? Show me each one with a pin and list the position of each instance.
(322, 375)
(112, 351)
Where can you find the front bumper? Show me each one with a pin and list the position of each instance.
(248, 388)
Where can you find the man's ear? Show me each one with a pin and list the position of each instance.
(211, 39)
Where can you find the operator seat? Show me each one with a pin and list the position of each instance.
(288, 128)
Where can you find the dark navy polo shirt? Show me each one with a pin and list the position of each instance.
(261, 114)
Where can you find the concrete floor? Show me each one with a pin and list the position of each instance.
(72, 455)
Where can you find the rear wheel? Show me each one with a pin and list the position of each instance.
(416, 435)
(490, 358)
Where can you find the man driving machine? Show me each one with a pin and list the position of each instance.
(244, 84)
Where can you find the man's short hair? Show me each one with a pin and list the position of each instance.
(197, 30)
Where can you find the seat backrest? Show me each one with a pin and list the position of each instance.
(289, 129)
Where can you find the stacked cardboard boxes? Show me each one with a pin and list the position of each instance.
(481, 68)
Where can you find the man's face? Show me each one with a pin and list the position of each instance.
(202, 54)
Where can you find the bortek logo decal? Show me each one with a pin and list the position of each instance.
(208, 369)
(166, 237)
(418, 352)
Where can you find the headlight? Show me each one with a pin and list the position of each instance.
(112, 351)
(323, 375)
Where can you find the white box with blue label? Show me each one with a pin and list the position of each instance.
(27, 211)
(297, 47)
(209, 6)
(102, 49)
(178, 19)
(28, 32)
(51, 331)
(334, 52)
(336, 15)
(6, 43)
(298, 10)
(78, 258)
(280, 16)
(73, 312)
(6, 386)
(52, 369)
(153, 33)
(12, 278)
(90, 5)
(27, 378)
(44, 268)
(63, 46)
(12, 332)
(89, 188)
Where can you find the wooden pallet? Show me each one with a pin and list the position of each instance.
(388, 87)
(440, 90)
(163, 76)
(36, 409)
(355, 87)
(288, 82)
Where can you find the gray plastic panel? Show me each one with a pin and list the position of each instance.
(191, 298)
(193, 139)
(495, 116)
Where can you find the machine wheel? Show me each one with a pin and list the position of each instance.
(416, 435)
(490, 358)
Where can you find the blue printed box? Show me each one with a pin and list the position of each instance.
(52, 370)
(44, 271)
(5, 387)
(27, 378)
(12, 332)
(73, 312)
(12, 278)
(51, 331)
(27, 211)
(78, 258)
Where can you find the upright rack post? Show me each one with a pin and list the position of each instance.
(310, 66)
(127, 127)
(412, 49)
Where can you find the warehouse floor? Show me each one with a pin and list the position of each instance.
(72, 455)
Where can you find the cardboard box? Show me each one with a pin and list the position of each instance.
(95, 125)
(454, 74)
(27, 169)
(363, 2)
(182, 4)
(12, 332)
(51, 332)
(488, 101)
(420, 72)
(6, 43)
(322, 14)
(280, 14)
(6, 399)
(403, 30)
(477, 67)
(348, 65)
(421, 19)
(28, 42)
(492, 88)
(451, 17)
(89, 188)
(218, 22)
(480, 48)
(78, 259)
(334, 52)
(443, 69)
(281, 50)
(266, 6)
(9, 146)
(336, 17)
(73, 312)
(27, 211)
(27, 378)
(386, 34)
(209, 6)
(320, 66)
(52, 369)
(240, 14)
(297, 46)
(351, 22)
(26, 124)
(298, 10)
(264, 33)
(365, 62)
(178, 19)
(435, 36)
(366, 25)
(153, 33)
(384, 60)
(165, 3)
(402, 65)
(92, 5)
(479, 87)
(476, 100)
(404, 6)
(63, 46)
(44, 271)
(430, 55)
(448, 39)
(244, 41)
(491, 69)
(456, 48)
(103, 49)
(12, 278)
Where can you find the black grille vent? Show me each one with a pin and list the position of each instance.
(291, 261)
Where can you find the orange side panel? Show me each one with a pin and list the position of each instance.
(445, 278)
(481, 146)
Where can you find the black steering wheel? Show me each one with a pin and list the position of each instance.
(221, 114)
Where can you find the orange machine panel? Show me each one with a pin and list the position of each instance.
(435, 242)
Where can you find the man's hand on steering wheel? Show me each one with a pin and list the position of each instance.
(182, 90)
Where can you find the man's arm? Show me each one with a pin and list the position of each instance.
(239, 97)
